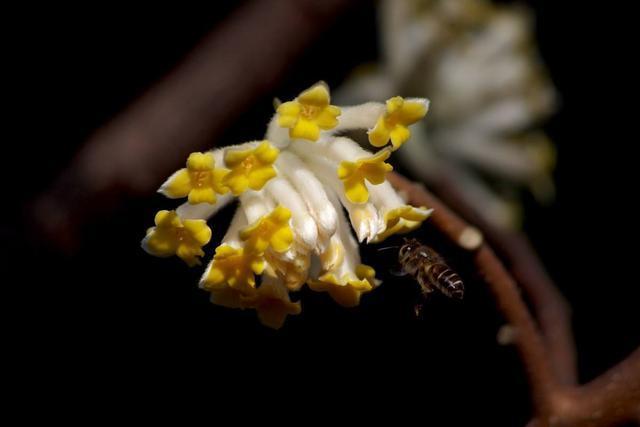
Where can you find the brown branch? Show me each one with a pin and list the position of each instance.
(551, 309)
(184, 111)
(610, 399)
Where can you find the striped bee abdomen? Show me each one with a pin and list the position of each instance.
(429, 269)
(443, 278)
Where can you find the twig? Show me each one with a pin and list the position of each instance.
(610, 399)
(551, 309)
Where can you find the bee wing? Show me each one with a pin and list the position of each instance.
(398, 272)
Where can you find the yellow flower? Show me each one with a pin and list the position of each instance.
(393, 123)
(250, 168)
(271, 230)
(309, 113)
(175, 236)
(353, 175)
(233, 267)
(200, 180)
(402, 220)
(270, 300)
(272, 303)
(346, 290)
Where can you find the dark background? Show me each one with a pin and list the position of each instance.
(107, 326)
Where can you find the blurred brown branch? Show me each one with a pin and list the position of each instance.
(610, 399)
(184, 111)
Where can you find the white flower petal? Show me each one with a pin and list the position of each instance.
(304, 226)
(312, 192)
(363, 116)
(364, 217)
(232, 236)
(255, 205)
(514, 160)
(342, 148)
(203, 210)
(510, 114)
(277, 135)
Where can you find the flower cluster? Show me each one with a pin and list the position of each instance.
(293, 187)
(477, 62)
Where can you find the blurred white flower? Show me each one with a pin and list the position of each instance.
(477, 62)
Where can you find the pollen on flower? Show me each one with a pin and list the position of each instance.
(271, 230)
(250, 168)
(290, 228)
(393, 124)
(309, 113)
(173, 236)
(200, 181)
(353, 174)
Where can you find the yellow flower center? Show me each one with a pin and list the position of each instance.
(250, 168)
(249, 163)
(309, 111)
(200, 179)
(392, 120)
(182, 236)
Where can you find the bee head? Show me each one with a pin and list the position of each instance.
(408, 246)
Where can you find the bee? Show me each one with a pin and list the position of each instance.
(429, 269)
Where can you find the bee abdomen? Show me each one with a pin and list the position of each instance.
(445, 280)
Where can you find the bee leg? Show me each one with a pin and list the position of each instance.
(417, 310)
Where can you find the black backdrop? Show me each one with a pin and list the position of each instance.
(110, 317)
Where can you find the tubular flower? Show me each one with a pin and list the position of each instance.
(272, 302)
(402, 220)
(250, 168)
(173, 236)
(290, 228)
(309, 113)
(200, 181)
(394, 123)
(234, 267)
(341, 274)
(292, 268)
(271, 230)
(345, 290)
(353, 174)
